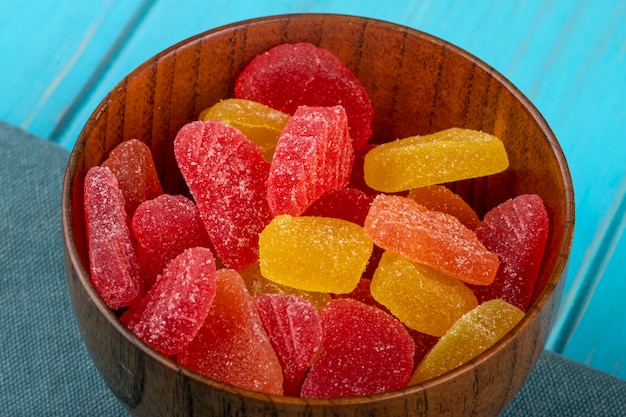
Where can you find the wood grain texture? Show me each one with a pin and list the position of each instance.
(441, 87)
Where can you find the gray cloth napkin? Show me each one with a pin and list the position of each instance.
(45, 369)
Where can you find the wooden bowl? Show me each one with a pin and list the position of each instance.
(418, 84)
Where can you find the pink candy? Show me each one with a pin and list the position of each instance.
(517, 232)
(313, 155)
(172, 312)
(293, 326)
(113, 264)
(227, 176)
(164, 227)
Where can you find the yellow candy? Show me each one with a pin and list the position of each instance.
(257, 284)
(422, 298)
(471, 335)
(319, 254)
(260, 123)
(445, 156)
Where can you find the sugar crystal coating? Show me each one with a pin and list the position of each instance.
(475, 332)
(422, 298)
(364, 351)
(173, 310)
(313, 155)
(517, 232)
(301, 74)
(113, 264)
(439, 240)
(320, 254)
(260, 123)
(441, 198)
(164, 227)
(257, 284)
(131, 163)
(294, 329)
(444, 156)
(232, 346)
(227, 177)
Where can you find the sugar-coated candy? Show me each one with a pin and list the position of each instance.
(260, 123)
(320, 254)
(364, 351)
(342, 203)
(423, 342)
(441, 198)
(232, 346)
(227, 177)
(422, 298)
(258, 284)
(313, 155)
(291, 75)
(439, 240)
(517, 232)
(173, 310)
(445, 156)
(131, 163)
(293, 326)
(113, 264)
(363, 294)
(163, 228)
(357, 177)
(472, 334)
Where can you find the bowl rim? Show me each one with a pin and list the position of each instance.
(556, 277)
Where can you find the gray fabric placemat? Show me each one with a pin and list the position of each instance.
(45, 369)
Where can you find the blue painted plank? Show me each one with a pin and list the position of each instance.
(598, 338)
(50, 51)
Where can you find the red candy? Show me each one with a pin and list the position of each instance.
(164, 227)
(313, 155)
(357, 178)
(423, 344)
(342, 203)
(231, 345)
(293, 326)
(114, 268)
(364, 351)
(362, 293)
(291, 75)
(131, 163)
(227, 176)
(174, 309)
(517, 232)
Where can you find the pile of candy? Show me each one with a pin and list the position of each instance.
(308, 262)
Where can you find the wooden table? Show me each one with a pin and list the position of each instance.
(58, 59)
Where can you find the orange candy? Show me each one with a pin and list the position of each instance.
(439, 240)
(232, 346)
(441, 198)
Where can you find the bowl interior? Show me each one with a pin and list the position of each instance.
(418, 84)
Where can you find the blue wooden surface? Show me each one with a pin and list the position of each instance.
(58, 60)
